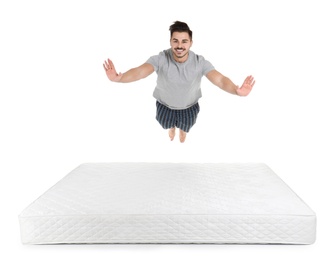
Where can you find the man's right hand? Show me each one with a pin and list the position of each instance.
(111, 72)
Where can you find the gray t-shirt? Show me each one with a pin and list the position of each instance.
(179, 84)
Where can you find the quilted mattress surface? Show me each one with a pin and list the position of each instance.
(136, 202)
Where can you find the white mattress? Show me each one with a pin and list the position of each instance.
(169, 203)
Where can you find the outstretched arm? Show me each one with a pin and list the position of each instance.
(227, 85)
(131, 75)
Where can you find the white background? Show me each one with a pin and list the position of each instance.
(59, 110)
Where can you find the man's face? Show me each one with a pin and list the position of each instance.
(180, 44)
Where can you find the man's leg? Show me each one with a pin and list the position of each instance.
(171, 133)
(166, 117)
(186, 118)
(183, 136)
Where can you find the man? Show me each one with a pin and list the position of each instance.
(178, 86)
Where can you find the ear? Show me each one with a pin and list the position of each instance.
(191, 43)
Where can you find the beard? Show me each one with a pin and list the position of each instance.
(181, 54)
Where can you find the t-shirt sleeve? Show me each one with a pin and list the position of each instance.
(207, 67)
(154, 61)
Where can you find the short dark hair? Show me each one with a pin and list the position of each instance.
(178, 26)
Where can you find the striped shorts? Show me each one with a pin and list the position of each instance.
(180, 118)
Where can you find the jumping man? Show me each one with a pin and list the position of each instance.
(179, 73)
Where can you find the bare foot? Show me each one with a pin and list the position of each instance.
(171, 133)
(183, 136)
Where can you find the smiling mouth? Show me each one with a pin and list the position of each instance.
(179, 50)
